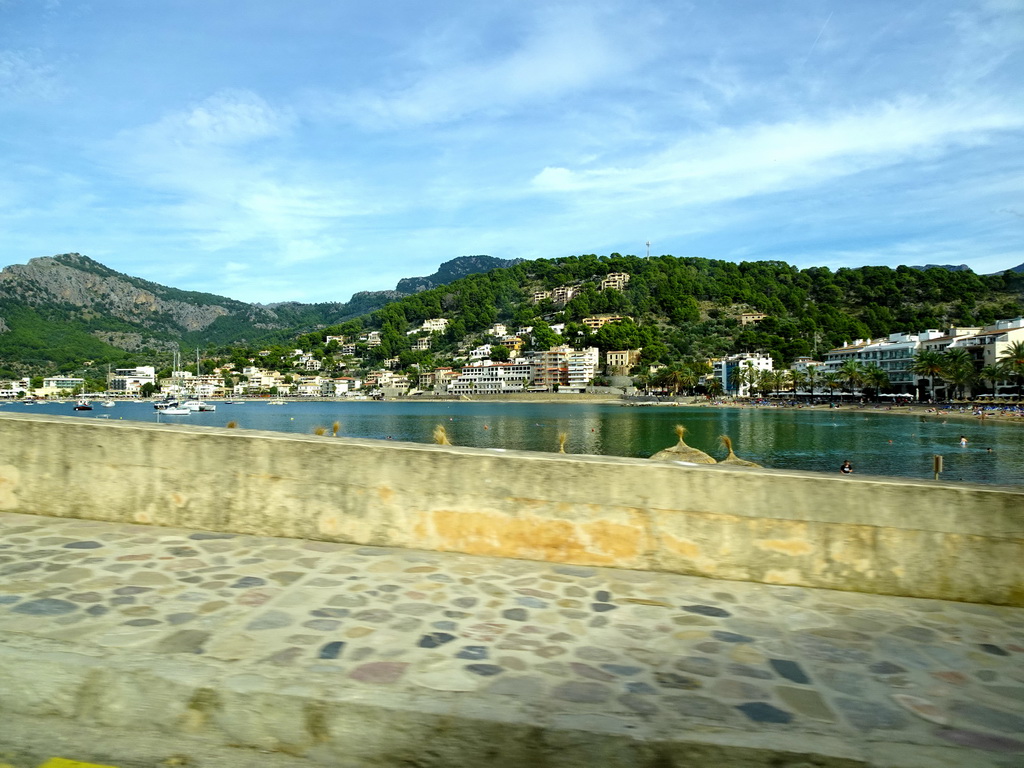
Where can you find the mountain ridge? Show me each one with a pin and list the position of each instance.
(57, 309)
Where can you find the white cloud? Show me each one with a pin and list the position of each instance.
(231, 117)
(564, 50)
(221, 174)
(25, 76)
(732, 163)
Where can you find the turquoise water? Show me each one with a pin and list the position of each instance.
(817, 440)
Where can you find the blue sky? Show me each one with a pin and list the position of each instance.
(273, 151)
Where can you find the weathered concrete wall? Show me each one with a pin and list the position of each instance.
(922, 539)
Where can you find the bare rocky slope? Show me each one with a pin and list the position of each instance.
(68, 307)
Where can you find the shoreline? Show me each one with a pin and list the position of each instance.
(991, 415)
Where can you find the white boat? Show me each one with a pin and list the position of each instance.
(83, 405)
(198, 405)
(163, 405)
(175, 410)
(107, 404)
(276, 401)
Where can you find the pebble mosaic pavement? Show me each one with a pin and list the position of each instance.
(597, 645)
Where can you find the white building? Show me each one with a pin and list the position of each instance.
(729, 371)
(10, 389)
(435, 325)
(581, 366)
(54, 385)
(128, 381)
(487, 378)
(896, 353)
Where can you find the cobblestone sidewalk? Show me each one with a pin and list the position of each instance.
(647, 656)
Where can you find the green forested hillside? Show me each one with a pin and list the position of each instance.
(689, 307)
(678, 309)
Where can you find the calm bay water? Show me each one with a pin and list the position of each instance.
(817, 440)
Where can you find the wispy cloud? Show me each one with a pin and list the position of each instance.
(555, 52)
(738, 162)
(228, 118)
(27, 76)
(307, 156)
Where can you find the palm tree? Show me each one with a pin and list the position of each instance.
(927, 362)
(673, 378)
(958, 369)
(798, 380)
(852, 373)
(777, 380)
(812, 376)
(1012, 361)
(875, 377)
(749, 375)
(713, 385)
(993, 374)
(689, 377)
(832, 380)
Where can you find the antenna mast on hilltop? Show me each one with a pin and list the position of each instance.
(648, 249)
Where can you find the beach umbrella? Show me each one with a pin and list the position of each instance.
(682, 452)
(732, 458)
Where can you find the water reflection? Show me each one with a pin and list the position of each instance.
(818, 440)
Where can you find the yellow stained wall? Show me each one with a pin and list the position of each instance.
(922, 539)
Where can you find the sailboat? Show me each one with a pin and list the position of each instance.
(83, 403)
(195, 404)
(107, 402)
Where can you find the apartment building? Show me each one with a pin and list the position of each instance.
(728, 371)
(488, 378)
(895, 354)
(437, 379)
(435, 325)
(581, 366)
(595, 322)
(616, 280)
(563, 294)
(13, 388)
(54, 385)
(128, 381)
(620, 362)
(563, 367)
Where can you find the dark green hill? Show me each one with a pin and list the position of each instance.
(683, 307)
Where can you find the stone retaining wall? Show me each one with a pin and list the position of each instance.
(889, 536)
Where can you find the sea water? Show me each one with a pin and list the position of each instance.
(819, 439)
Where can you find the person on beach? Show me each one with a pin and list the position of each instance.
(846, 468)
